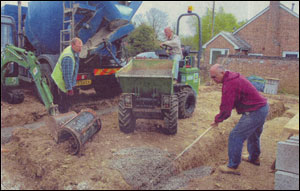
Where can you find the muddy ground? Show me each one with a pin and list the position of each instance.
(114, 160)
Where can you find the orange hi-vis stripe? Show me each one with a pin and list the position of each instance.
(105, 71)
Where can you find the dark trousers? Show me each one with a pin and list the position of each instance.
(63, 101)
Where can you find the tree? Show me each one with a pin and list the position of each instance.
(142, 39)
(139, 19)
(190, 41)
(174, 27)
(223, 22)
(158, 20)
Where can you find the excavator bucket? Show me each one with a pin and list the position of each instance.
(54, 122)
(75, 128)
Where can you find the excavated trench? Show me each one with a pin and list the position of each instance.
(154, 169)
(151, 168)
(44, 162)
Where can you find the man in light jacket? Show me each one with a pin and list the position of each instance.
(173, 41)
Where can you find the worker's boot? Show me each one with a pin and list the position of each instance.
(246, 158)
(225, 169)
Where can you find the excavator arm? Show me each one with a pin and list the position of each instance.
(27, 60)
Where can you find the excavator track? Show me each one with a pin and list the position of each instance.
(15, 97)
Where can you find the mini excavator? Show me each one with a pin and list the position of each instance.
(11, 58)
(68, 126)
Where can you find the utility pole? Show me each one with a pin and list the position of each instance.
(213, 19)
(19, 23)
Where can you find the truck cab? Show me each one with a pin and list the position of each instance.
(8, 37)
(8, 31)
(101, 25)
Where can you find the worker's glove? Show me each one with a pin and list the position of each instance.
(70, 93)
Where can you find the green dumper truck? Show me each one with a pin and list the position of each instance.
(149, 92)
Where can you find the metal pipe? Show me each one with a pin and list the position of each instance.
(200, 34)
(213, 20)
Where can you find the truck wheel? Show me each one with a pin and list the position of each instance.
(126, 118)
(103, 91)
(187, 103)
(2, 92)
(107, 91)
(171, 116)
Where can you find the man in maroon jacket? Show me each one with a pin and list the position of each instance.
(239, 93)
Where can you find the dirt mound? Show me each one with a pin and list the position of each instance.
(46, 165)
(32, 110)
(12, 115)
(38, 157)
(277, 109)
(50, 166)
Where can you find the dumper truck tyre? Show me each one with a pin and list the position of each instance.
(187, 103)
(126, 118)
(171, 117)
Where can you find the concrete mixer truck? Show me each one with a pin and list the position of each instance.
(47, 27)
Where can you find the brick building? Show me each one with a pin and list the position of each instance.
(266, 46)
(272, 32)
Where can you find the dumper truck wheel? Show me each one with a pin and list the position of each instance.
(126, 118)
(171, 117)
(187, 103)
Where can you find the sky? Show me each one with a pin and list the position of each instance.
(242, 10)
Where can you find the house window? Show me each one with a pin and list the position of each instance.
(255, 54)
(215, 53)
(289, 54)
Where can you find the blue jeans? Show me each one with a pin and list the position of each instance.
(176, 58)
(248, 128)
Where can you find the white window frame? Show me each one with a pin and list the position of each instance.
(255, 54)
(222, 50)
(284, 53)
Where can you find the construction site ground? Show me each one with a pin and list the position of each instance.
(114, 160)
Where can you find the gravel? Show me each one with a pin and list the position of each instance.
(139, 166)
